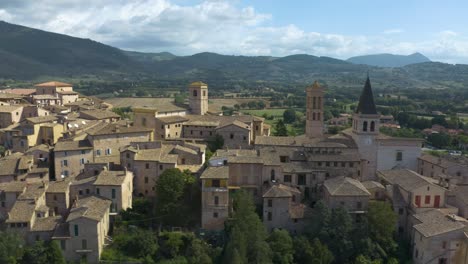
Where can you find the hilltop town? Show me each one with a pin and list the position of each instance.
(73, 170)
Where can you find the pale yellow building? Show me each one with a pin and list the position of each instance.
(71, 156)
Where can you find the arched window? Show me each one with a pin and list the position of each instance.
(314, 102)
(364, 126)
(318, 116)
(143, 121)
(272, 175)
(194, 92)
(372, 126)
(319, 106)
(313, 116)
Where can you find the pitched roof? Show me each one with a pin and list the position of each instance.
(366, 103)
(198, 83)
(42, 119)
(435, 222)
(280, 191)
(172, 119)
(9, 164)
(53, 84)
(22, 211)
(46, 223)
(14, 186)
(345, 186)
(91, 207)
(115, 178)
(406, 179)
(97, 114)
(9, 108)
(234, 123)
(70, 145)
(221, 172)
(110, 129)
(58, 186)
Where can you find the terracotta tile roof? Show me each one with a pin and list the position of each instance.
(33, 191)
(172, 119)
(406, 179)
(221, 172)
(111, 129)
(44, 97)
(235, 123)
(91, 207)
(281, 191)
(9, 164)
(71, 145)
(20, 91)
(60, 186)
(198, 83)
(435, 222)
(97, 114)
(53, 84)
(14, 186)
(22, 211)
(9, 108)
(345, 186)
(115, 178)
(42, 119)
(42, 224)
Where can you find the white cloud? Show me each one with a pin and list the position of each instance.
(217, 26)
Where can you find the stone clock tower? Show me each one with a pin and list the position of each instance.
(366, 123)
(314, 111)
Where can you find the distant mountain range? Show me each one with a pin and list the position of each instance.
(389, 60)
(30, 54)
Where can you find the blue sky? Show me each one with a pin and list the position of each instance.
(340, 29)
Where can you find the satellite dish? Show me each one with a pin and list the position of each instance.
(69, 125)
(62, 176)
(83, 122)
(76, 125)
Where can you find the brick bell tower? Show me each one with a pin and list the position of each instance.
(198, 98)
(314, 111)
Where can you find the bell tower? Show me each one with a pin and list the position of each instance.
(314, 111)
(198, 98)
(366, 124)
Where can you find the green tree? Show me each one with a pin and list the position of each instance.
(439, 140)
(172, 189)
(11, 247)
(217, 142)
(136, 242)
(289, 116)
(282, 246)
(439, 120)
(315, 252)
(43, 253)
(382, 222)
(281, 129)
(321, 253)
(246, 232)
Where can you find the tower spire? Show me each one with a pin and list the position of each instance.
(366, 103)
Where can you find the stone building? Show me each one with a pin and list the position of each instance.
(83, 235)
(71, 156)
(198, 98)
(348, 193)
(282, 208)
(314, 110)
(215, 197)
(439, 238)
(108, 138)
(117, 186)
(447, 169)
(148, 160)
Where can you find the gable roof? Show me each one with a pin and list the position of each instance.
(345, 186)
(435, 222)
(366, 103)
(280, 191)
(91, 207)
(115, 178)
(221, 172)
(406, 179)
(53, 84)
(70, 145)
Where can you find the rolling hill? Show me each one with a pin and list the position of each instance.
(29, 54)
(389, 60)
